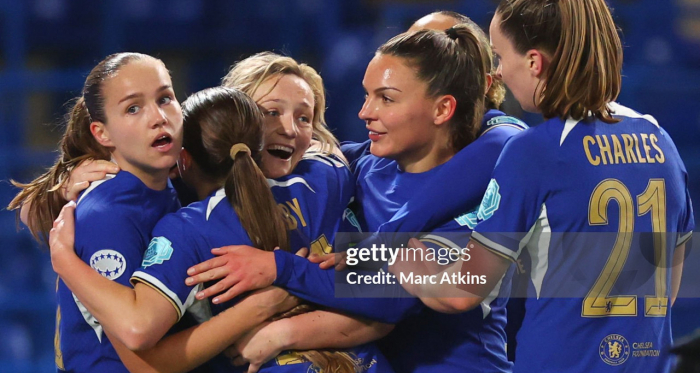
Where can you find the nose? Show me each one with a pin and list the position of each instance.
(499, 71)
(159, 118)
(366, 111)
(289, 126)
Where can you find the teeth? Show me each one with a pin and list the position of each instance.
(373, 133)
(281, 147)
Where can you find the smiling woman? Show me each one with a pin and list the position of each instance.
(294, 101)
(288, 103)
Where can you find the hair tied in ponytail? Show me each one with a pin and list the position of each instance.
(240, 147)
(452, 33)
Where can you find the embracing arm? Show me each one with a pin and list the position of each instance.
(448, 298)
(79, 179)
(137, 317)
(243, 268)
(308, 331)
(325, 329)
(186, 350)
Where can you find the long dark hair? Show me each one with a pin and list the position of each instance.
(452, 62)
(76, 145)
(214, 121)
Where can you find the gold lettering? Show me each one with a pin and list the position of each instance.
(294, 205)
(605, 149)
(661, 158)
(291, 222)
(619, 155)
(629, 148)
(636, 149)
(647, 148)
(586, 141)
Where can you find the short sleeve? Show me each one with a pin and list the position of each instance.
(111, 243)
(170, 253)
(513, 201)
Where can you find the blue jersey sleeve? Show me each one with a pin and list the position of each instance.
(111, 243)
(513, 200)
(353, 151)
(164, 266)
(458, 186)
(307, 281)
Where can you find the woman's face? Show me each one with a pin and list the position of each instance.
(397, 111)
(288, 104)
(514, 68)
(144, 119)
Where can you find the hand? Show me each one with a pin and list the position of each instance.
(62, 236)
(257, 347)
(416, 266)
(241, 268)
(325, 261)
(85, 173)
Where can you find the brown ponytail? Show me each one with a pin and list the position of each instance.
(215, 120)
(452, 62)
(585, 51)
(76, 145)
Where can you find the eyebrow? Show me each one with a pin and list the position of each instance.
(382, 89)
(279, 100)
(135, 95)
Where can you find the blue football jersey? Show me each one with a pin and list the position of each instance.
(598, 209)
(113, 223)
(396, 211)
(314, 198)
(479, 343)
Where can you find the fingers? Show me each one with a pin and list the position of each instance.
(230, 249)
(217, 288)
(210, 275)
(204, 267)
(253, 368)
(231, 293)
(85, 173)
(343, 263)
(326, 264)
(67, 215)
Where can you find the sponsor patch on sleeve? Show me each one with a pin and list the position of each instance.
(159, 250)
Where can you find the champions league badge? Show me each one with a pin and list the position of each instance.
(614, 349)
(108, 263)
(159, 250)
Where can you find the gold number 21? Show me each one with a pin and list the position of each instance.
(598, 301)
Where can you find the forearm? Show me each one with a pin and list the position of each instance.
(307, 281)
(324, 329)
(193, 347)
(135, 321)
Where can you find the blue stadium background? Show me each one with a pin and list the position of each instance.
(49, 46)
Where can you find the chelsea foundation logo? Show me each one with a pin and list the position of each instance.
(614, 349)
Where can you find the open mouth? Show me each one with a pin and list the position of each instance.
(162, 141)
(280, 151)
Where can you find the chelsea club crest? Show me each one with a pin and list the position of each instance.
(614, 349)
